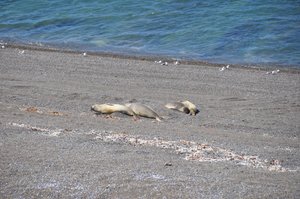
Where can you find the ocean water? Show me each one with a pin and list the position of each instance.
(242, 32)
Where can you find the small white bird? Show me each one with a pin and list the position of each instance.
(222, 69)
(84, 54)
(273, 72)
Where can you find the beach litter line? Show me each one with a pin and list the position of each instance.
(48, 132)
(33, 109)
(192, 151)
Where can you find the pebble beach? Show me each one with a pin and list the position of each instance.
(244, 142)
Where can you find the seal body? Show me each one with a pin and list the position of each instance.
(184, 106)
(143, 110)
(111, 108)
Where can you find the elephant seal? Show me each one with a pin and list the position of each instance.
(184, 106)
(111, 108)
(143, 110)
(178, 106)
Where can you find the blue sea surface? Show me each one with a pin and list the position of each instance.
(245, 32)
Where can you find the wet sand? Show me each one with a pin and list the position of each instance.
(244, 143)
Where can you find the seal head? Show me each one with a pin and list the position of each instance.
(192, 107)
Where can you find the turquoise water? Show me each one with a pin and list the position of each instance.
(232, 32)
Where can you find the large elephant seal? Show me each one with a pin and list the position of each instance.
(111, 108)
(143, 110)
(184, 106)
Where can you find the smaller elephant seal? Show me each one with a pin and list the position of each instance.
(111, 108)
(192, 107)
(185, 106)
(143, 110)
(178, 106)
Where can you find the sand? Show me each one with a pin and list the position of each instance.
(244, 143)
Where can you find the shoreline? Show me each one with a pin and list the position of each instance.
(55, 48)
